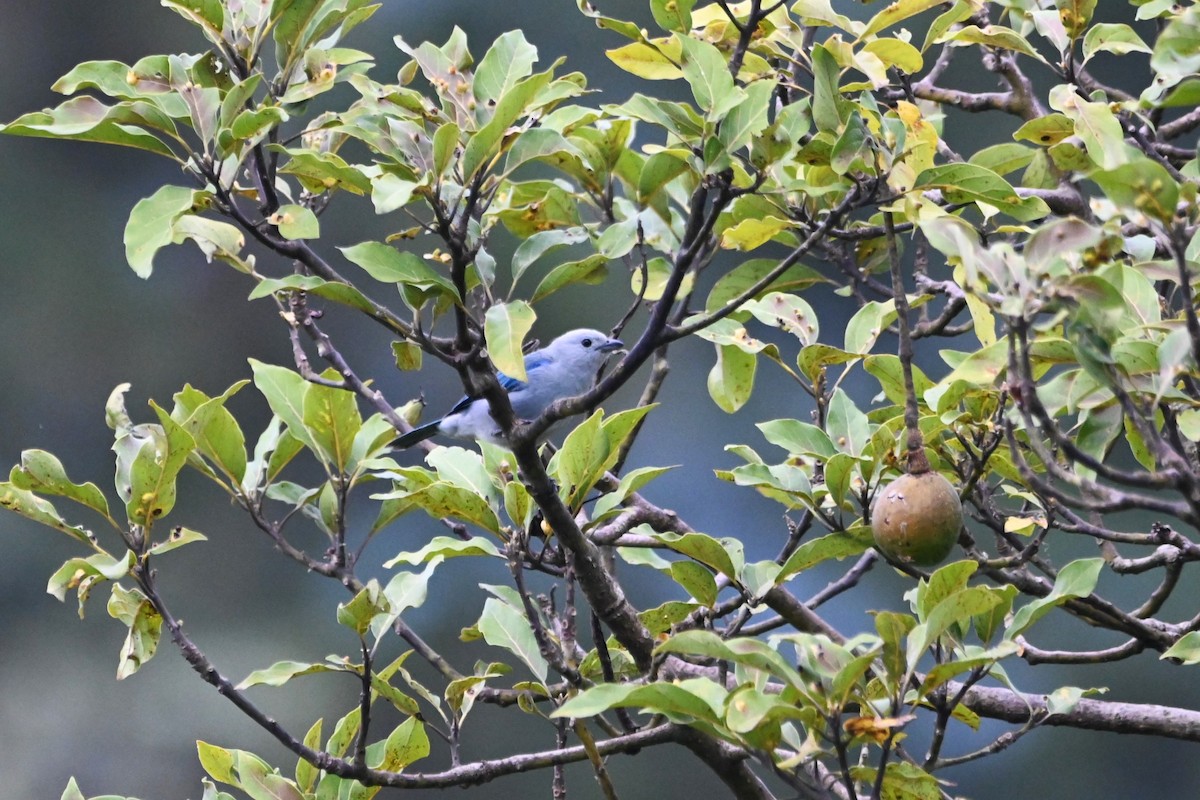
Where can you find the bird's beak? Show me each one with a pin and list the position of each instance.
(611, 345)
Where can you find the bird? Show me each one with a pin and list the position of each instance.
(564, 368)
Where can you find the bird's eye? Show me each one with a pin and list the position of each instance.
(587, 342)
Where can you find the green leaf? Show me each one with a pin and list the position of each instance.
(332, 418)
(540, 244)
(731, 380)
(743, 651)
(707, 72)
(847, 426)
(867, 324)
(388, 265)
(1186, 649)
(462, 467)
(673, 15)
(323, 172)
(1107, 37)
(534, 144)
(1005, 157)
(798, 438)
(252, 125)
(446, 547)
(336, 291)
(404, 591)
(964, 183)
(1095, 124)
(109, 77)
(442, 500)
(215, 431)
(281, 672)
(996, 36)
(404, 745)
(630, 482)
(214, 238)
(1177, 49)
(509, 60)
(657, 273)
(344, 732)
(72, 791)
(944, 582)
(247, 772)
(888, 371)
(672, 699)
(296, 222)
(1140, 185)
(815, 358)
(696, 580)
(827, 105)
(178, 538)
(502, 625)
(43, 473)
(284, 391)
(505, 327)
(155, 464)
(30, 506)
(738, 280)
(291, 18)
(217, 762)
(145, 628)
(901, 780)
(84, 573)
(87, 119)
(659, 170)
(839, 545)
(977, 658)
(723, 555)
(1064, 699)
(151, 225)
(1075, 15)
(306, 773)
(1076, 579)
(485, 144)
(590, 271)
(590, 450)
(358, 612)
(390, 192)
(956, 609)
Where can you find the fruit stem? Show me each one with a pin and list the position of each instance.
(918, 463)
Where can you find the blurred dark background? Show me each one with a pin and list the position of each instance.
(75, 322)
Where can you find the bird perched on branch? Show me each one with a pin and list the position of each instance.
(564, 368)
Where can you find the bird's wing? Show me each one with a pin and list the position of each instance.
(462, 404)
(533, 362)
(509, 383)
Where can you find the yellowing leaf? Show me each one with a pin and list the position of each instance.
(895, 53)
(645, 61)
(751, 233)
(897, 12)
(504, 327)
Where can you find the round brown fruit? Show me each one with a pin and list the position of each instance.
(916, 519)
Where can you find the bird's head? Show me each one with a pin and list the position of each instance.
(584, 344)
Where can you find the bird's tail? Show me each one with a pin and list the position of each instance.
(417, 435)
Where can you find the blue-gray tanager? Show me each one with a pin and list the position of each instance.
(564, 368)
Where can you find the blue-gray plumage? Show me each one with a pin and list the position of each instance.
(564, 368)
